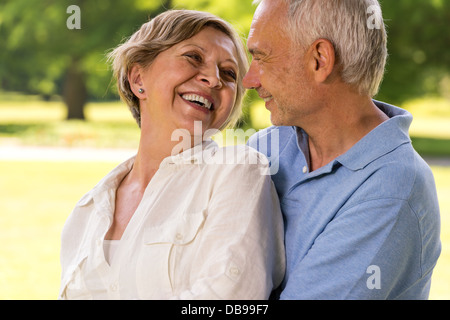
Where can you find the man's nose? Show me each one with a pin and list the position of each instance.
(251, 79)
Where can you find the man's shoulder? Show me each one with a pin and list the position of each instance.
(401, 174)
(271, 136)
(284, 130)
(240, 155)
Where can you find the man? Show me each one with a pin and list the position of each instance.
(360, 205)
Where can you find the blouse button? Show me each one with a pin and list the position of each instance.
(179, 236)
(305, 169)
(113, 287)
(234, 271)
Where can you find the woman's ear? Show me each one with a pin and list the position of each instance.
(136, 83)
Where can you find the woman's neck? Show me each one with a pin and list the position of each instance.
(154, 146)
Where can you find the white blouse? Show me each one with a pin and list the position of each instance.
(110, 248)
(209, 226)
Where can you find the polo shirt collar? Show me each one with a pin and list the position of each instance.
(392, 133)
(387, 136)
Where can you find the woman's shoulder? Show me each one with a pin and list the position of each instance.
(236, 161)
(239, 155)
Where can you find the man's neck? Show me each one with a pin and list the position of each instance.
(339, 128)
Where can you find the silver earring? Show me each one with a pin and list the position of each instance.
(141, 90)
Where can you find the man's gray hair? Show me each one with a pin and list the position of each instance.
(356, 30)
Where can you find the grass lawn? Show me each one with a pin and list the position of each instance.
(440, 288)
(430, 129)
(110, 125)
(37, 196)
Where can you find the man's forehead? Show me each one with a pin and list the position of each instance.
(266, 21)
(254, 40)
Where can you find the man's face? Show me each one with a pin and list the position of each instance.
(277, 71)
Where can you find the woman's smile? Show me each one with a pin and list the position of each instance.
(194, 80)
(198, 99)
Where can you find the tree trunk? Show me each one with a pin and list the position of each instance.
(74, 91)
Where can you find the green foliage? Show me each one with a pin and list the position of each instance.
(37, 47)
(237, 12)
(419, 36)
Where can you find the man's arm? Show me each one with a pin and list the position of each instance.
(369, 251)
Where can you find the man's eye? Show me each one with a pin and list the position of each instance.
(256, 56)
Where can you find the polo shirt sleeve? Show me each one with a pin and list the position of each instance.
(363, 253)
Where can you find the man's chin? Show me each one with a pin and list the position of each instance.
(276, 120)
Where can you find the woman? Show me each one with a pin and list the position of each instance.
(167, 224)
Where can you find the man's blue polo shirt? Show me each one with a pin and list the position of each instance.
(365, 226)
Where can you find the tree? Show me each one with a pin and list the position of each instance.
(40, 54)
(45, 55)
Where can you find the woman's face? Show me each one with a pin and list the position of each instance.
(194, 80)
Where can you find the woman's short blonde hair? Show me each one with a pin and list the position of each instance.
(159, 34)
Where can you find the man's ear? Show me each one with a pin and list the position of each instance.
(323, 59)
(136, 83)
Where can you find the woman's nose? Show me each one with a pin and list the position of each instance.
(251, 79)
(210, 75)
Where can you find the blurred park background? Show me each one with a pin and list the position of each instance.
(62, 126)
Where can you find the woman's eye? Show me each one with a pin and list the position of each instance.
(194, 56)
(230, 74)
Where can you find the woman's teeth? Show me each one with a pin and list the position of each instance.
(201, 101)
